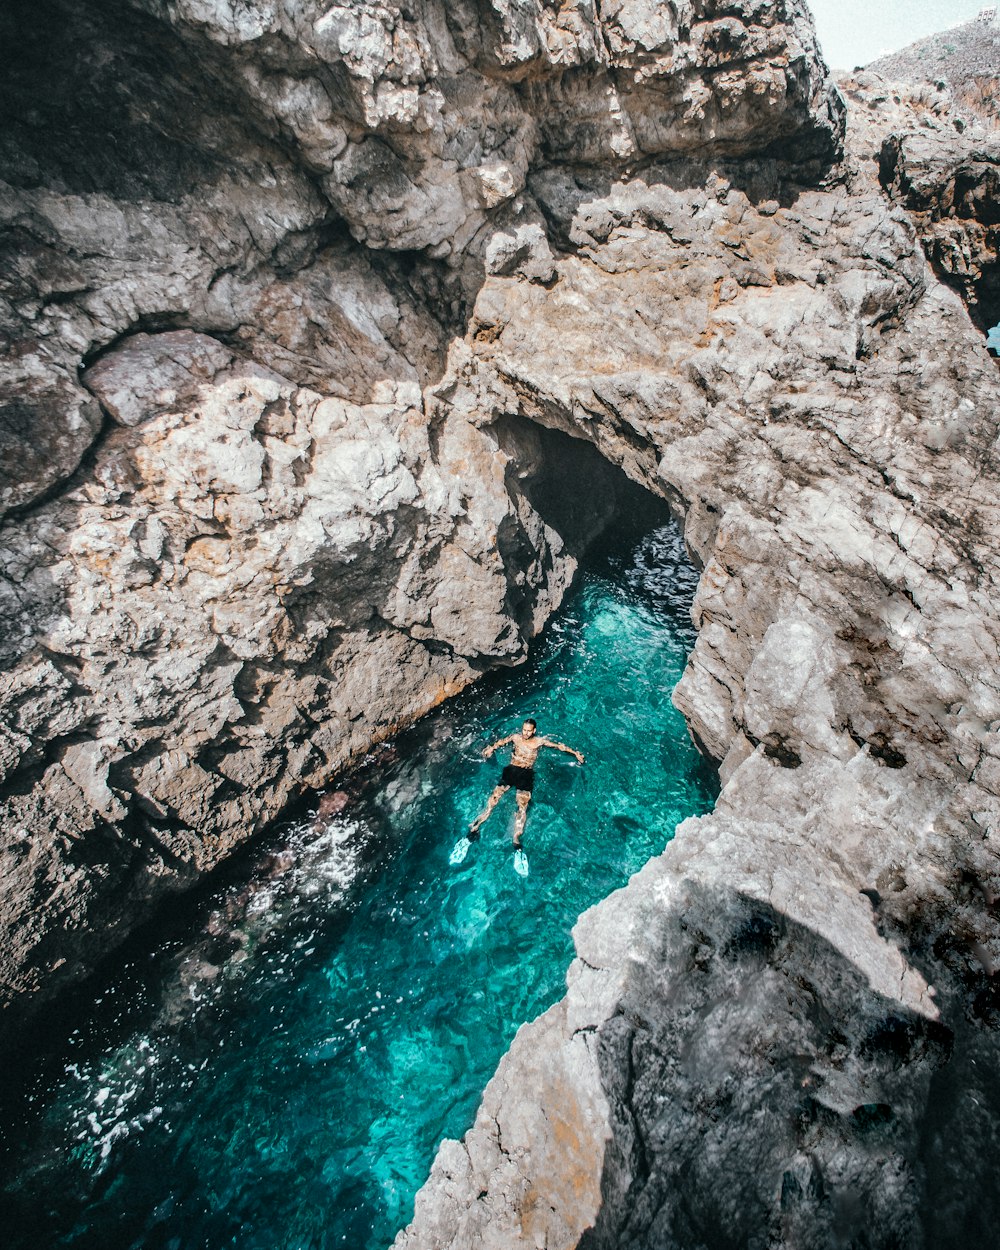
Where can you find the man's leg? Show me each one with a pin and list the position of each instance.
(523, 799)
(484, 815)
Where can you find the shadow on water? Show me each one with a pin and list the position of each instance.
(278, 1063)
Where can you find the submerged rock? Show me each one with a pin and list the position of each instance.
(325, 335)
(281, 545)
(756, 1025)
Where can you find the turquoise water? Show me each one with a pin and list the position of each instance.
(277, 1071)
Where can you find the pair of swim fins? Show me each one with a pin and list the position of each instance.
(463, 846)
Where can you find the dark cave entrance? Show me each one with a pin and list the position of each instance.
(590, 503)
(306, 928)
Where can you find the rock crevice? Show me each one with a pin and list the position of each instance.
(374, 299)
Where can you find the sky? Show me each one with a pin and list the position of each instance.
(854, 32)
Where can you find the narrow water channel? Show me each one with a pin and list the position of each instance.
(279, 1070)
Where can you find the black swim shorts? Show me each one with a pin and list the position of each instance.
(519, 778)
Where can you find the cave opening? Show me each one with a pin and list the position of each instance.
(590, 507)
(283, 1059)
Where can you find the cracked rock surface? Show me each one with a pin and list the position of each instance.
(254, 520)
(951, 188)
(251, 584)
(763, 1017)
(318, 322)
(171, 165)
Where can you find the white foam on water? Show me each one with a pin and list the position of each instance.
(326, 860)
(97, 1098)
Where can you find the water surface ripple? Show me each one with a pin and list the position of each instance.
(279, 1072)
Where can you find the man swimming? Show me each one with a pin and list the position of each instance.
(519, 773)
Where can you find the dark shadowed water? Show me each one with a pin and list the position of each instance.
(279, 1070)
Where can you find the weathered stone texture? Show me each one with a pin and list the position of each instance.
(251, 584)
(951, 188)
(304, 354)
(271, 519)
(789, 371)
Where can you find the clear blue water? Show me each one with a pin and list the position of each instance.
(277, 1071)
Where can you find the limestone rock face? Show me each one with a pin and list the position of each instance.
(213, 149)
(252, 585)
(246, 486)
(940, 163)
(419, 121)
(952, 190)
(314, 316)
(786, 367)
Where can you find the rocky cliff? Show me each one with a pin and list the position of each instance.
(963, 61)
(763, 1033)
(244, 540)
(323, 324)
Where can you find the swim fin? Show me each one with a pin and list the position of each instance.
(459, 851)
(520, 863)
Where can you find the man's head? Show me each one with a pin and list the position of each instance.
(528, 728)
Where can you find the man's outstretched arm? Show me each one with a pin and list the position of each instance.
(561, 746)
(500, 742)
